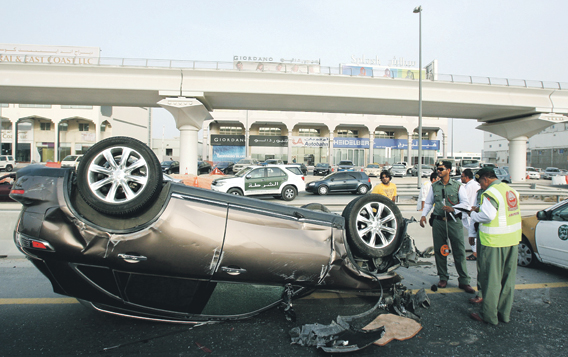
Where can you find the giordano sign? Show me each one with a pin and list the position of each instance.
(48, 54)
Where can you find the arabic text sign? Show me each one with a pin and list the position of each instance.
(262, 140)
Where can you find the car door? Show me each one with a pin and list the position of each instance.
(254, 181)
(275, 178)
(351, 182)
(552, 237)
(338, 182)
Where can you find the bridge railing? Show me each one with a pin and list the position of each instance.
(294, 68)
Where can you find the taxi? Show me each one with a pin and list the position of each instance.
(545, 237)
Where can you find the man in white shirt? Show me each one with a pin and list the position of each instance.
(471, 188)
(426, 186)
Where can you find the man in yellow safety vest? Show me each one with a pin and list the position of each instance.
(499, 218)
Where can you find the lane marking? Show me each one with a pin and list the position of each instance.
(319, 295)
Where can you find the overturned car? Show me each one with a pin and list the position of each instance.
(119, 238)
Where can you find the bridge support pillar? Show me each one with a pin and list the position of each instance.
(189, 114)
(518, 131)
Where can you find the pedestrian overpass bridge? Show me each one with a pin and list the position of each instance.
(515, 110)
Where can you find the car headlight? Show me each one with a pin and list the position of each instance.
(218, 183)
(311, 184)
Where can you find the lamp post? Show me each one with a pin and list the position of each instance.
(418, 10)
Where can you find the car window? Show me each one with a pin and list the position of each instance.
(2, 159)
(274, 172)
(340, 176)
(295, 170)
(345, 163)
(560, 214)
(256, 173)
(352, 177)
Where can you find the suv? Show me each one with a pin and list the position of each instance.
(241, 164)
(345, 165)
(7, 163)
(281, 181)
(351, 181)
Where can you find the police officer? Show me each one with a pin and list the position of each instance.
(499, 218)
(449, 199)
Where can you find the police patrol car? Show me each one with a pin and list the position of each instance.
(282, 181)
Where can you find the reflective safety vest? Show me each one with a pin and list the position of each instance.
(505, 229)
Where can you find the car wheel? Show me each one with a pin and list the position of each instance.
(363, 189)
(373, 226)
(8, 168)
(289, 193)
(316, 207)
(526, 254)
(235, 191)
(323, 190)
(168, 172)
(119, 176)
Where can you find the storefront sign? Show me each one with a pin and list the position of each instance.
(227, 140)
(7, 135)
(48, 54)
(228, 153)
(309, 141)
(273, 141)
(356, 143)
(403, 144)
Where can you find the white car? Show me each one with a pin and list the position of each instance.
(71, 161)
(545, 237)
(532, 173)
(283, 181)
(244, 163)
(7, 163)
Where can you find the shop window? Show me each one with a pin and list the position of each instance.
(45, 126)
(348, 133)
(379, 134)
(309, 132)
(169, 152)
(103, 127)
(230, 130)
(83, 127)
(270, 131)
(63, 126)
(424, 135)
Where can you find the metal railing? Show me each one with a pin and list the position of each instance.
(289, 68)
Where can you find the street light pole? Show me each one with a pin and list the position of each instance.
(418, 10)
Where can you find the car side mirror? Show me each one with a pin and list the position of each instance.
(331, 179)
(248, 177)
(541, 216)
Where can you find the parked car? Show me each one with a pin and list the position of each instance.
(225, 167)
(398, 170)
(134, 247)
(402, 163)
(241, 164)
(7, 163)
(6, 182)
(284, 181)
(71, 161)
(322, 169)
(502, 175)
(545, 237)
(352, 181)
(373, 170)
(170, 167)
(549, 172)
(426, 170)
(533, 173)
(273, 162)
(302, 167)
(345, 165)
(203, 167)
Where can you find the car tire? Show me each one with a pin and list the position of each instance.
(323, 190)
(384, 236)
(235, 191)
(363, 189)
(115, 186)
(289, 193)
(8, 168)
(526, 257)
(316, 207)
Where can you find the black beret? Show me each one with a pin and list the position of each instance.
(484, 172)
(445, 163)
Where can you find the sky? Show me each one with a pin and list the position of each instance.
(487, 38)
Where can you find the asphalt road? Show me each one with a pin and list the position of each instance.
(36, 321)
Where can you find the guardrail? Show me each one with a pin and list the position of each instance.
(289, 68)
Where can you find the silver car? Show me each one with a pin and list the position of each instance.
(398, 170)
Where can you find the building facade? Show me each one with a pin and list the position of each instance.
(43, 133)
(549, 148)
(311, 138)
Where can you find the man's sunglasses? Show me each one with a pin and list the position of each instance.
(441, 168)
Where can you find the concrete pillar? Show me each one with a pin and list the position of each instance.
(189, 114)
(206, 144)
(518, 155)
(56, 144)
(445, 143)
(331, 163)
(371, 145)
(409, 158)
(289, 151)
(247, 144)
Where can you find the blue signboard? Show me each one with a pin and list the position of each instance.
(403, 144)
(228, 153)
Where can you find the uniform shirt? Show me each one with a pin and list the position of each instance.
(487, 212)
(429, 203)
(382, 189)
(471, 189)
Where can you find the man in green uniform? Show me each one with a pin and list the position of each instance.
(474, 239)
(449, 199)
(499, 218)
